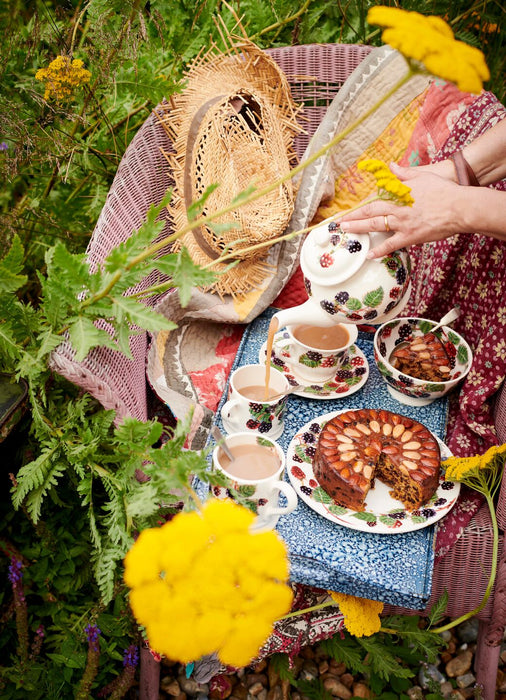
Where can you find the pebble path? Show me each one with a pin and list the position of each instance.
(453, 675)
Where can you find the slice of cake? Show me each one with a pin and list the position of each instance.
(359, 446)
(423, 357)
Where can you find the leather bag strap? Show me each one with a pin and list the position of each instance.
(465, 174)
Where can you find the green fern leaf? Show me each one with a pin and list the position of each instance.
(10, 267)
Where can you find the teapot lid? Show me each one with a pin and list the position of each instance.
(329, 255)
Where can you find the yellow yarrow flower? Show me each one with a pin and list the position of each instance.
(430, 41)
(204, 583)
(389, 186)
(481, 472)
(62, 77)
(361, 616)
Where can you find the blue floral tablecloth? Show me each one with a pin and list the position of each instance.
(394, 568)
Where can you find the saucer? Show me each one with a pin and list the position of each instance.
(349, 378)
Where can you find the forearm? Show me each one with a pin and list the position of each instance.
(487, 154)
(481, 210)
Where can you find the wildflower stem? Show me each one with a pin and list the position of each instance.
(493, 570)
(296, 613)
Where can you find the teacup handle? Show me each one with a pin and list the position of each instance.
(291, 500)
(227, 407)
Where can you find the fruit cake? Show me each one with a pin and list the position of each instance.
(358, 446)
(423, 357)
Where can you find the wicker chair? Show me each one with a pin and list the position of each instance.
(120, 384)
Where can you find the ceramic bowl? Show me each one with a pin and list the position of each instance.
(411, 390)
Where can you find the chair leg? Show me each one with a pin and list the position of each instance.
(486, 662)
(149, 684)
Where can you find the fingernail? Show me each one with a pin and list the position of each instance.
(371, 254)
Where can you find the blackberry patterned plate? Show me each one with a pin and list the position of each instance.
(349, 378)
(382, 513)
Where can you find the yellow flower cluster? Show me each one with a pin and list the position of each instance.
(361, 616)
(462, 468)
(204, 583)
(430, 41)
(387, 183)
(62, 77)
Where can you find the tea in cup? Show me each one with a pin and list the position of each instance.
(250, 407)
(256, 476)
(315, 353)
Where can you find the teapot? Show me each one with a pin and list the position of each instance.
(343, 285)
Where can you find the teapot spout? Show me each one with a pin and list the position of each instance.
(309, 312)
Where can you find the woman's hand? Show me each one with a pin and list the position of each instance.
(433, 216)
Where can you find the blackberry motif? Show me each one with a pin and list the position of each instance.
(314, 356)
(398, 516)
(306, 490)
(354, 246)
(314, 428)
(256, 407)
(277, 361)
(296, 458)
(371, 523)
(344, 373)
(405, 331)
(447, 485)
(392, 264)
(369, 315)
(428, 512)
(335, 239)
(262, 501)
(400, 275)
(310, 451)
(265, 427)
(328, 306)
(440, 502)
(395, 292)
(307, 285)
(342, 297)
(359, 371)
(332, 226)
(308, 437)
(389, 306)
(252, 424)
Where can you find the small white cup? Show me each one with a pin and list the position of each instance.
(257, 491)
(310, 362)
(254, 413)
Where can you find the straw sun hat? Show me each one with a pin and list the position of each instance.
(233, 125)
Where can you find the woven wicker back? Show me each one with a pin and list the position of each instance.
(315, 74)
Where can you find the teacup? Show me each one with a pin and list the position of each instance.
(256, 476)
(315, 353)
(247, 408)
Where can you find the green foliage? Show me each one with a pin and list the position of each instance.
(76, 503)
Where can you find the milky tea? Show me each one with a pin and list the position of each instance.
(330, 338)
(251, 462)
(257, 392)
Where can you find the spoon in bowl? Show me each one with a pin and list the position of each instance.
(446, 320)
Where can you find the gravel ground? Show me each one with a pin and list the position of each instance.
(453, 675)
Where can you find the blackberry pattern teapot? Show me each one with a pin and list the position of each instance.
(343, 285)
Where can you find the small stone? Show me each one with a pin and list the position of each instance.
(415, 693)
(446, 689)
(347, 679)
(255, 689)
(428, 674)
(254, 678)
(337, 668)
(460, 664)
(240, 691)
(465, 680)
(457, 695)
(446, 636)
(336, 688)
(468, 631)
(468, 693)
(275, 693)
(446, 656)
(260, 666)
(189, 686)
(170, 686)
(323, 667)
(262, 695)
(360, 690)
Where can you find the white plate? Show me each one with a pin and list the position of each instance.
(349, 378)
(382, 513)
